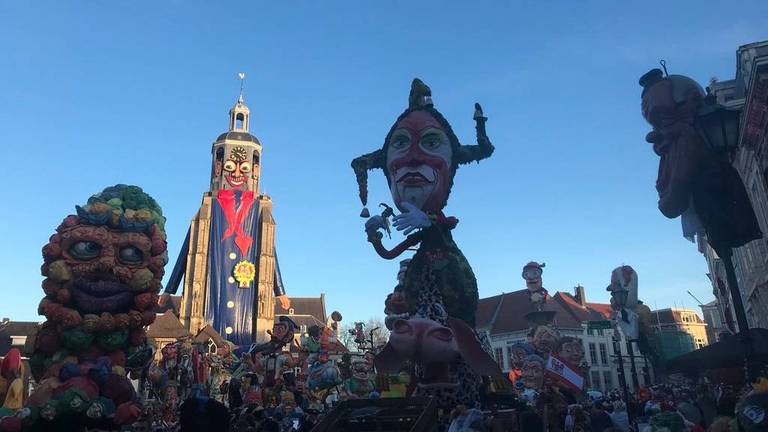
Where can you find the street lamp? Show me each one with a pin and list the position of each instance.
(718, 125)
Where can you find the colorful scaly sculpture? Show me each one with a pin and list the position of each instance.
(103, 270)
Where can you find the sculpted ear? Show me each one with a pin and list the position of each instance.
(470, 349)
(388, 361)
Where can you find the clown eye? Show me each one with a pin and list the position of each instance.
(245, 167)
(431, 142)
(85, 250)
(400, 141)
(131, 255)
(229, 165)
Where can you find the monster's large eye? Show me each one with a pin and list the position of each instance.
(131, 255)
(85, 250)
(229, 165)
(245, 167)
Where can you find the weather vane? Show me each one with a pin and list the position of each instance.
(242, 81)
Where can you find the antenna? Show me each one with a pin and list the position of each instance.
(694, 297)
(663, 64)
(242, 82)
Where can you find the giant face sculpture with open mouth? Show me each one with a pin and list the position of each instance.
(237, 169)
(419, 162)
(109, 268)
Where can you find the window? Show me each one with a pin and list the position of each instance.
(595, 384)
(603, 354)
(239, 119)
(510, 357)
(592, 354)
(211, 345)
(290, 311)
(303, 329)
(600, 332)
(608, 380)
(499, 358)
(590, 331)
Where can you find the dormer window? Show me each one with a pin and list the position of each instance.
(290, 311)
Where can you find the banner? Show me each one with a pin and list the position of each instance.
(561, 372)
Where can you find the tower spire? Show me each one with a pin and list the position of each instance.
(242, 83)
(239, 115)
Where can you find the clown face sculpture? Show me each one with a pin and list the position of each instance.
(237, 168)
(419, 157)
(419, 162)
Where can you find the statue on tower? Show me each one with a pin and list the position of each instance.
(228, 260)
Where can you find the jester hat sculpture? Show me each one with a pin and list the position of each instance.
(419, 158)
(103, 270)
(435, 162)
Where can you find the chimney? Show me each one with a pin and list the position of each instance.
(578, 294)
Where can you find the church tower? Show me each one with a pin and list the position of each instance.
(228, 263)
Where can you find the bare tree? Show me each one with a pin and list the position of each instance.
(380, 335)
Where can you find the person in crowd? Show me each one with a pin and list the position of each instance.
(619, 417)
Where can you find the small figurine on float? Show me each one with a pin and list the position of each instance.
(520, 351)
(270, 354)
(11, 384)
(533, 372)
(323, 374)
(571, 350)
(359, 385)
(395, 306)
(359, 333)
(544, 338)
(537, 294)
(623, 289)
(420, 157)
(103, 270)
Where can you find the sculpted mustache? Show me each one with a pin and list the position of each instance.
(423, 170)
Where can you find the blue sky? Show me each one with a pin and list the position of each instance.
(98, 93)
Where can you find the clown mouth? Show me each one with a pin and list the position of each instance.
(101, 296)
(415, 175)
(235, 180)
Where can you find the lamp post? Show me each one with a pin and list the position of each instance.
(694, 136)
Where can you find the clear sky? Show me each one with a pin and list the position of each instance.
(98, 93)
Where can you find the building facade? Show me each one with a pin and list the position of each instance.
(228, 263)
(502, 319)
(711, 312)
(678, 331)
(748, 92)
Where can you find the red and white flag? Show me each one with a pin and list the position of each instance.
(561, 372)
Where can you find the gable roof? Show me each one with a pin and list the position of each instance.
(167, 325)
(505, 313)
(312, 306)
(209, 332)
(172, 304)
(15, 328)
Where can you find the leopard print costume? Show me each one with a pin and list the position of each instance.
(467, 390)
